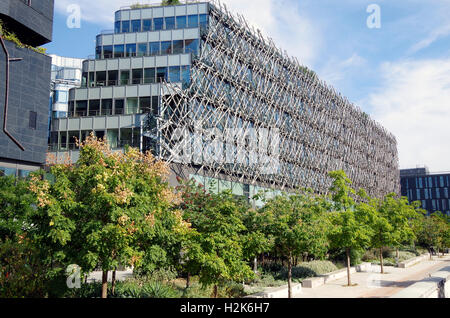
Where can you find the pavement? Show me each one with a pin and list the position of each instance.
(120, 276)
(373, 284)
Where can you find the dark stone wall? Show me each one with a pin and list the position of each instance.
(33, 25)
(29, 91)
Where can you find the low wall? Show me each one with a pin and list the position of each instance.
(278, 292)
(414, 261)
(436, 286)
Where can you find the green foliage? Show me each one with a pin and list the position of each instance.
(10, 36)
(170, 2)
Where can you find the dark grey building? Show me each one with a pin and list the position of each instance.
(24, 85)
(431, 189)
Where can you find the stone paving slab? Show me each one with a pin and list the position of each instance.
(373, 284)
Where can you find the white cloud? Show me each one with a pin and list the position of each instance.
(336, 70)
(414, 104)
(290, 29)
(436, 34)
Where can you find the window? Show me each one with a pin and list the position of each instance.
(193, 21)
(81, 109)
(71, 108)
(174, 74)
(33, 120)
(136, 26)
(154, 48)
(178, 47)
(113, 77)
(438, 194)
(161, 74)
(107, 107)
(145, 105)
(117, 27)
(91, 79)
(137, 76)
(418, 194)
(203, 20)
(125, 26)
(149, 76)
(61, 97)
(119, 51)
(147, 25)
(108, 52)
(73, 137)
(100, 79)
(155, 105)
(158, 23)
(119, 106)
(192, 46)
(132, 105)
(84, 79)
(142, 49)
(112, 136)
(185, 75)
(98, 52)
(170, 23)
(166, 47)
(124, 77)
(94, 107)
(131, 50)
(181, 22)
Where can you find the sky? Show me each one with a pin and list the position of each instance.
(394, 62)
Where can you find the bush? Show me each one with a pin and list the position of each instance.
(340, 256)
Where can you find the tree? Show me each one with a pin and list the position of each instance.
(298, 226)
(111, 199)
(213, 248)
(350, 225)
(170, 2)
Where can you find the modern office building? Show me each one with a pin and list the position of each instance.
(24, 86)
(218, 101)
(431, 189)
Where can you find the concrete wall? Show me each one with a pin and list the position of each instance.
(29, 91)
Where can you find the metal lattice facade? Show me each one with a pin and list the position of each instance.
(242, 80)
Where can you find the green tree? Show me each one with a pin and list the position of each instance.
(111, 200)
(170, 2)
(298, 226)
(213, 248)
(350, 225)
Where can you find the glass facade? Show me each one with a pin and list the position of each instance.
(157, 24)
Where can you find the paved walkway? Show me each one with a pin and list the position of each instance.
(376, 285)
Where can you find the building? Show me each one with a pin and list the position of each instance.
(177, 80)
(24, 86)
(431, 189)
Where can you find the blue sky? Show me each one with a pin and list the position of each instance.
(399, 73)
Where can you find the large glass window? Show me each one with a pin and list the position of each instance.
(170, 23)
(91, 79)
(131, 50)
(136, 26)
(154, 48)
(125, 26)
(101, 79)
(178, 47)
(132, 105)
(113, 77)
(119, 51)
(73, 137)
(193, 21)
(137, 76)
(117, 27)
(185, 75)
(174, 74)
(147, 25)
(112, 136)
(107, 107)
(107, 51)
(166, 47)
(155, 105)
(203, 20)
(145, 105)
(181, 22)
(161, 74)
(81, 109)
(94, 107)
(119, 105)
(192, 46)
(149, 76)
(158, 23)
(124, 77)
(142, 49)
(126, 137)
(98, 52)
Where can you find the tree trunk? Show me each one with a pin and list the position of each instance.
(397, 253)
(290, 275)
(348, 267)
(381, 260)
(105, 284)
(188, 280)
(215, 292)
(255, 265)
(113, 284)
